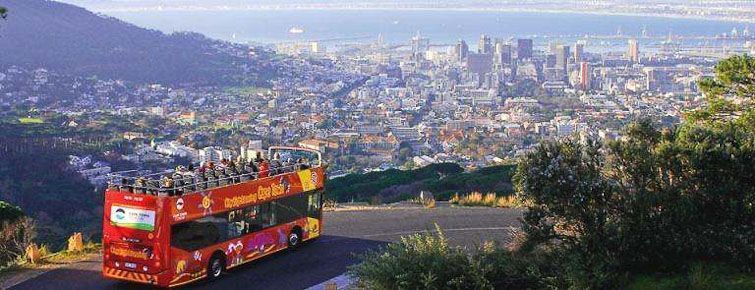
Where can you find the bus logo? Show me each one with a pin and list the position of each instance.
(120, 214)
(180, 204)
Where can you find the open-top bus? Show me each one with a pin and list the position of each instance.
(203, 224)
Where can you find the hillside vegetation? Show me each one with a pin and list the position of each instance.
(443, 180)
(74, 41)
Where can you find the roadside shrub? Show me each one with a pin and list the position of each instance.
(420, 261)
(426, 261)
(16, 232)
(15, 236)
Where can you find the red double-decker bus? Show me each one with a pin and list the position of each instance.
(198, 224)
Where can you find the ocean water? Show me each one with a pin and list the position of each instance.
(398, 26)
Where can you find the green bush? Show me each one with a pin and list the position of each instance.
(420, 261)
(427, 261)
(9, 212)
(649, 202)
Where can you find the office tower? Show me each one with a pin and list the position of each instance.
(523, 48)
(578, 51)
(584, 76)
(634, 51)
(485, 45)
(562, 57)
(503, 53)
(420, 44)
(461, 50)
(550, 60)
(479, 63)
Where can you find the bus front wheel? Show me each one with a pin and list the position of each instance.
(216, 266)
(294, 238)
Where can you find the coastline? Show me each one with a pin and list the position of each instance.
(482, 10)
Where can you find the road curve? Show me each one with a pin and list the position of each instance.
(346, 233)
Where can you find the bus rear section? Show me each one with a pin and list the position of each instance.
(132, 241)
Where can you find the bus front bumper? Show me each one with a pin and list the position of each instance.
(160, 279)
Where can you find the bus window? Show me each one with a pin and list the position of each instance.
(254, 218)
(314, 202)
(291, 208)
(267, 215)
(237, 224)
(199, 233)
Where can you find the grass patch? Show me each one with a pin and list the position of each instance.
(52, 259)
(31, 121)
(489, 200)
(699, 276)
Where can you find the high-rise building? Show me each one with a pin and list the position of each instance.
(634, 51)
(578, 51)
(523, 48)
(550, 60)
(480, 63)
(461, 50)
(584, 76)
(420, 44)
(503, 53)
(562, 57)
(485, 45)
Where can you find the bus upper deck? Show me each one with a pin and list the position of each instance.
(187, 180)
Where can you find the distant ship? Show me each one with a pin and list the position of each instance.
(296, 30)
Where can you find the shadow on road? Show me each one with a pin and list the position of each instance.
(313, 263)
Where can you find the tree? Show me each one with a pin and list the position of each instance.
(16, 232)
(571, 205)
(3, 12)
(730, 94)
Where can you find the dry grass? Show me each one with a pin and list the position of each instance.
(488, 199)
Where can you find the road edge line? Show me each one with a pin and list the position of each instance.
(342, 281)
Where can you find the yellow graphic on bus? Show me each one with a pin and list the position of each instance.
(313, 227)
(307, 182)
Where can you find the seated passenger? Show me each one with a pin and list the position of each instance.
(123, 186)
(232, 171)
(153, 186)
(264, 169)
(167, 186)
(275, 165)
(179, 182)
(252, 169)
(288, 165)
(140, 185)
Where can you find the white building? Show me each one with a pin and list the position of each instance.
(213, 154)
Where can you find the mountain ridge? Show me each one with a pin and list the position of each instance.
(73, 40)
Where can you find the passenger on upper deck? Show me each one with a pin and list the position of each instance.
(252, 169)
(275, 165)
(264, 167)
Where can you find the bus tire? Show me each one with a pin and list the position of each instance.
(216, 266)
(294, 238)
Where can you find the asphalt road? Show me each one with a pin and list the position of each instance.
(346, 234)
